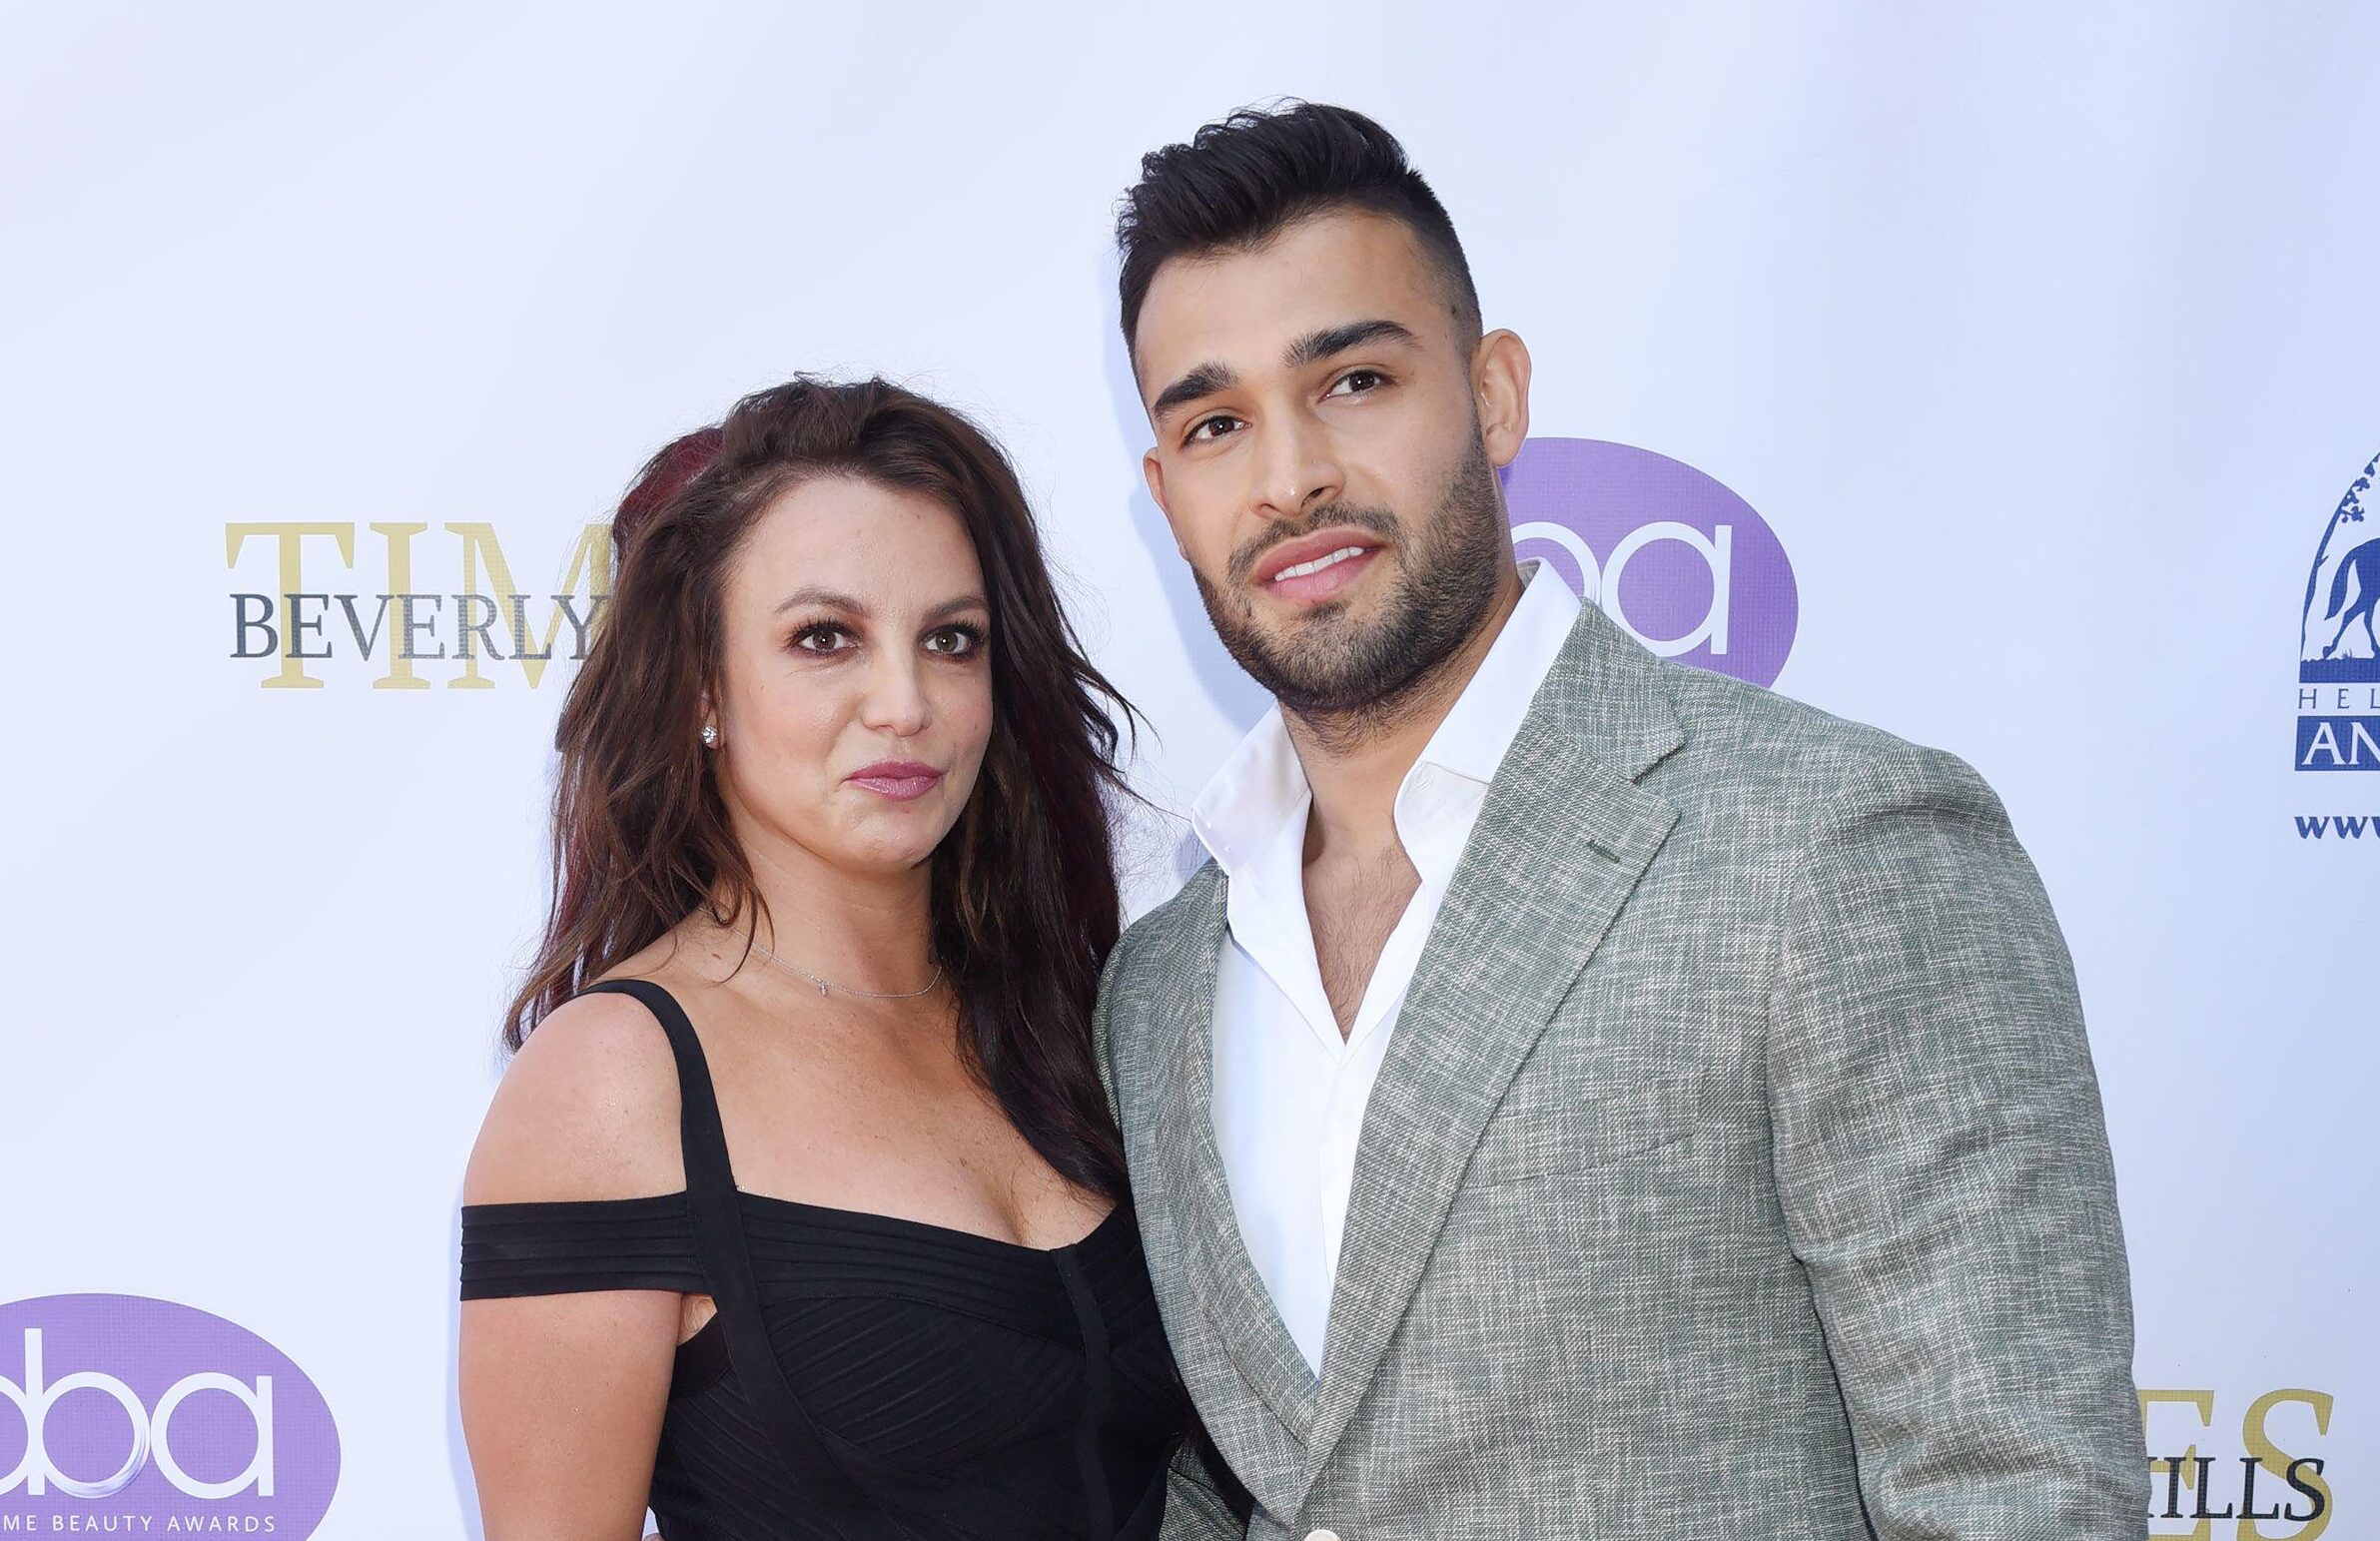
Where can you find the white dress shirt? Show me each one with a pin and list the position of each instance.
(1290, 1092)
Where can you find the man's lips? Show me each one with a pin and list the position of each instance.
(1313, 568)
(898, 780)
(1309, 550)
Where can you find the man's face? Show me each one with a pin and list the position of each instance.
(1326, 436)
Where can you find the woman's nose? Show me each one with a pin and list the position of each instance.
(896, 700)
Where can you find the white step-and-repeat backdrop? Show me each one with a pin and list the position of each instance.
(2002, 376)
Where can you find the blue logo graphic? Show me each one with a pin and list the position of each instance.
(2338, 667)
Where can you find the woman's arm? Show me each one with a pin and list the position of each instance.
(561, 1407)
(562, 1394)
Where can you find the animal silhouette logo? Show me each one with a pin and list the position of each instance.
(2338, 649)
(2336, 638)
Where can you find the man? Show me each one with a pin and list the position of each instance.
(1583, 1095)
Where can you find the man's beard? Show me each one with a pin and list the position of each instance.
(1333, 669)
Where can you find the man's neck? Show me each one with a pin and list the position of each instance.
(1355, 766)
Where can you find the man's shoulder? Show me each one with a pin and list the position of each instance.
(1150, 959)
(1745, 744)
(1139, 958)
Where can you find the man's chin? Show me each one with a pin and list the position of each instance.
(1326, 674)
(1337, 621)
(1311, 643)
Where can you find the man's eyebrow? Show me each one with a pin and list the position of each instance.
(1316, 347)
(1205, 380)
(1312, 347)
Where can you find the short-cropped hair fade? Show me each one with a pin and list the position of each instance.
(1239, 182)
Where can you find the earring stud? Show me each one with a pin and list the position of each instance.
(710, 736)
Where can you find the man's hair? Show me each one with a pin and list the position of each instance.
(1239, 182)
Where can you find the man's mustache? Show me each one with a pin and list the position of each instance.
(1378, 520)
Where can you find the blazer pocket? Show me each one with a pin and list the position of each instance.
(1598, 1126)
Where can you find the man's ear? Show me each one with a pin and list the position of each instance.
(1154, 474)
(1500, 391)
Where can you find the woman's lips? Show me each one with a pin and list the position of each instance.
(898, 780)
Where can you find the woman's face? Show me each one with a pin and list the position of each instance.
(855, 694)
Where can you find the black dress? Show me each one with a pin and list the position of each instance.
(866, 1377)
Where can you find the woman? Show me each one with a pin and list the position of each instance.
(800, 1212)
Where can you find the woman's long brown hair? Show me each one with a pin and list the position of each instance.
(1024, 905)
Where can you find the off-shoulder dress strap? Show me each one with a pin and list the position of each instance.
(576, 1245)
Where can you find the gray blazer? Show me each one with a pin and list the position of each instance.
(1736, 1170)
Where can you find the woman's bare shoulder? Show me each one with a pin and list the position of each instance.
(589, 1108)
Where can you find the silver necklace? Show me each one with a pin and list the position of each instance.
(825, 985)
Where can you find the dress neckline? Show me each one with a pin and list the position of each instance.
(814, 1213)
(699, 1115)
(901, 1224)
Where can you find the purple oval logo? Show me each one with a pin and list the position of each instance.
(144, 1417)
(1682, 563)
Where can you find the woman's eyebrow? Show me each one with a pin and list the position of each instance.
(823, 598)
(814, 597)
(959, 607)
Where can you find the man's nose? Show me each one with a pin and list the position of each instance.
(1299, 467)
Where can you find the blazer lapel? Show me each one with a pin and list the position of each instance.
(1224, 1279)
(1560, 843)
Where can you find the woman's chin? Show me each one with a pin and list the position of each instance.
(892, 853)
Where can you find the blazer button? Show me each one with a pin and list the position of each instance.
(1321, 1535)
